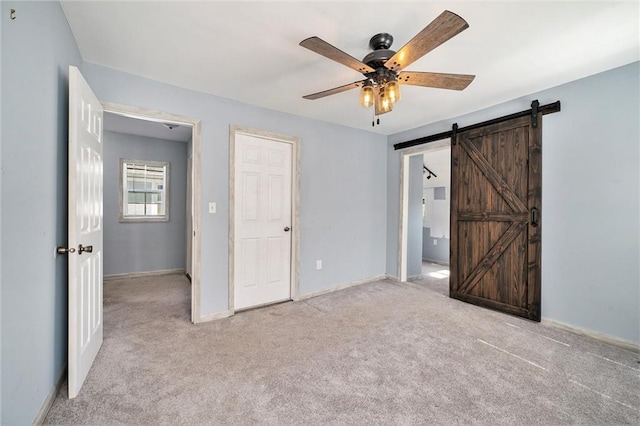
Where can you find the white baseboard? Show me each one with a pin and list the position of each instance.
(225, 314)
(215, 316)
(341, 287)
(437, 262)
(143, 274)
(48, 402)
(605, 338)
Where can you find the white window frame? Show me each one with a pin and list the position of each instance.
(124, 192)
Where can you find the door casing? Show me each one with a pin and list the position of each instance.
(404, 199)
(189, 260)
(295, 205)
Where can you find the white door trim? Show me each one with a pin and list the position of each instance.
(404, 199)
(295, 204)
(196, 187)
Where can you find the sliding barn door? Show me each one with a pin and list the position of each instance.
(495, 217)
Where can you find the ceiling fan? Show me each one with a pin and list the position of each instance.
(383, 67)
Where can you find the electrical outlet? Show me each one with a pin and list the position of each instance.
(212, 207)
(318, 264)
(435, 242)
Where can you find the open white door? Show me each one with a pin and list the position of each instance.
(85, 229)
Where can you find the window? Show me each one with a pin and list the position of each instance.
(144, 191)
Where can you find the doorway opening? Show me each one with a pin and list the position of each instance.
(425, 179)
(155, 222)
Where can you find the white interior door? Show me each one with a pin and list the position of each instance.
(262, 248)
(85, 229)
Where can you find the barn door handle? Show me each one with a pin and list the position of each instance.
(82, 249)
(534, 217)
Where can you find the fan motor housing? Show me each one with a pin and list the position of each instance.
(380, 43)
(377, 58)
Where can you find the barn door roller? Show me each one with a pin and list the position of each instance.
(534, 113)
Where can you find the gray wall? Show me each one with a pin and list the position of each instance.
(36, 50)
(149, 246)
(393, 210)
(436, 253)
(438, 201)
(414, 217)
(590, 200)
(343, 198)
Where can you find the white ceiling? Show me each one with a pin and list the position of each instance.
(249, 51)
(439, 162)
(151, 129)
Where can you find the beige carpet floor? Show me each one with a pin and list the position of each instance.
(381, 353)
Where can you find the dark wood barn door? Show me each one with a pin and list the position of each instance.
(495, 217)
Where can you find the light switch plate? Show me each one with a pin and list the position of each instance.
(318, 264)
(212, 207)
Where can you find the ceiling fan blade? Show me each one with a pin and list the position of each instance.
(441, 29)
(327, 50)
(434, 79)
(333, 91)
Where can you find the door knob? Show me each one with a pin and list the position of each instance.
(64, 250)
(287, 229)
(82, 249)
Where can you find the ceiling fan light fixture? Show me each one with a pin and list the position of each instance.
(383, 67)
(392, 89)
(384, 102)
(367, 95)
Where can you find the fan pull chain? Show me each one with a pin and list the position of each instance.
(373, 119)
